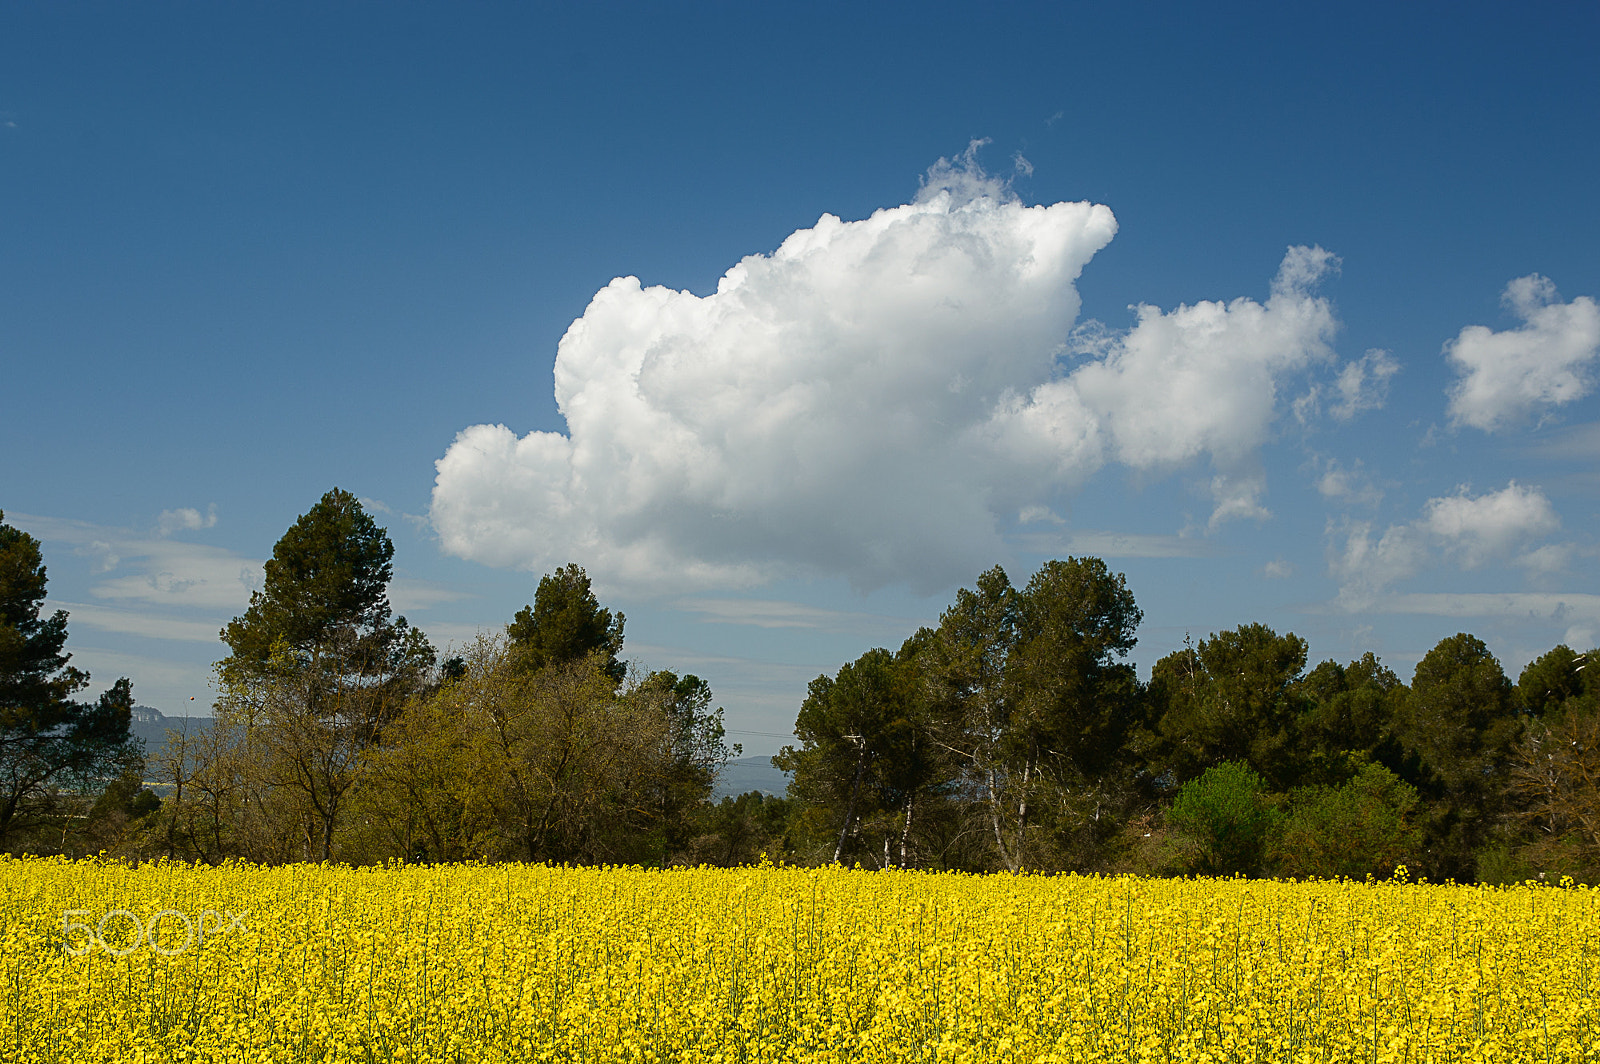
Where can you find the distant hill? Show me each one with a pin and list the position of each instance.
(745, 774)
(152, 725)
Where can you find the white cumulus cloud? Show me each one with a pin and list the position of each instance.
(1503, 378)
(876, 399)
(1488, 526)
(1469, 530)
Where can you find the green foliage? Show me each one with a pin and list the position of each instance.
(1078, 700)
(50, 745)
(739, 831)
(1225, 821)
(1556, 678)
(1461, 719)
(328, 577)
(865, 747)
(1235, 697)
(1554, 781)
(317, 670)
(566, 624)
(1364, 827)
(1349, 720)
(695, 750)
(35, 678)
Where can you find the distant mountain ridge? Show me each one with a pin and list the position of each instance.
(151, 725)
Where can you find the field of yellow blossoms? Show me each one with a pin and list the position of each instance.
(171, 962)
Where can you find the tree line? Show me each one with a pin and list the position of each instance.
(1013, 736)
(1016, 736)
(340, 735)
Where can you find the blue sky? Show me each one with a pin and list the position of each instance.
(250, 252)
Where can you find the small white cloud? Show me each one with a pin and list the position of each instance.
(104, 554)
(1348, 485)
(1238, 497)
(1035, 515)
(1277, 569)
(1367, 564)
(1488, 526)
(186, 519)
(1363, 384)
(1506, 377)
(1470, 530)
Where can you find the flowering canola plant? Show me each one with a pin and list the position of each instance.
(533, 963)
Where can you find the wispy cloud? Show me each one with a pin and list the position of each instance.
(155, 570)
(1578, 443)
(162, 682)
(408, 595)
(1578, 613)
(1470, 530)
(137, 622)
(1102, 543)
(771, 613)
(1348, 485)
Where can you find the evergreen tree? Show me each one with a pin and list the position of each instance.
(1461, 718)
(47, 740)
(1350, 720)
(1556, 677)
(863, 758)
(1235, 697)
(566, 624)
(318, 667)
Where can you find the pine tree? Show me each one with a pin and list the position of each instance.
(318, 668)
(47, 740)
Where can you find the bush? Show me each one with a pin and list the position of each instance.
(1358, 829)
(1224, 822)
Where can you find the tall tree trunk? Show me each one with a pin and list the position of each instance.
(850, 807)
(905, 831)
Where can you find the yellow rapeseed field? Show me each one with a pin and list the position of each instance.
(518, 963)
